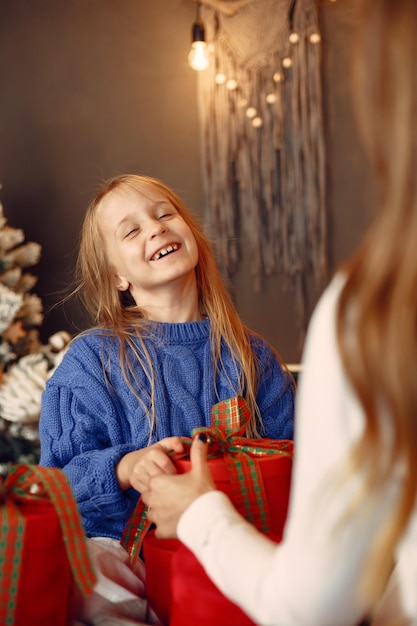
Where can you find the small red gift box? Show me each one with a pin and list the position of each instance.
(275, 471)
(42, 548)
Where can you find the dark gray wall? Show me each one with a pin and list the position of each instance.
(92, 88)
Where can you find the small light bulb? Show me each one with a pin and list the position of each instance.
(198, 56)
(271, 98)
(251, 112)
(294, 38)
(220, 78)
(231, 84)
(315, 38)
(287, 62)
(257, 122)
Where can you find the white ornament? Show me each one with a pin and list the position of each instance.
(315, 38)
(251, 112)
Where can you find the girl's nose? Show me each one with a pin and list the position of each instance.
(156, 229)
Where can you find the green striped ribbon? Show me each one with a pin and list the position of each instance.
(226, 438)
(30, 483)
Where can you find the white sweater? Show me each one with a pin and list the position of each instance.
(311, 577)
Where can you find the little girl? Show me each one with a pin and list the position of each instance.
(166, 344)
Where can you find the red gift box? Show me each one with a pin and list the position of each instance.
(158, 554)
(254, 473)
(42, 548)
(195, 599)
(275, 471)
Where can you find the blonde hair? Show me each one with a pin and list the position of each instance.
(112, 310)
(377, 314)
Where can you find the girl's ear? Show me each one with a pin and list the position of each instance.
(122, 283)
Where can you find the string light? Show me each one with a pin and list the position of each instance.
(315, 38)
(251, 112)
(199, 60)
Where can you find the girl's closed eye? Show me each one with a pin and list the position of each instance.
(132, 232)
(166, 214)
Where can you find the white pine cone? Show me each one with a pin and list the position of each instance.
(11, 278)
(31, 310)
(10, 303)
(25, 256)
(21, 391)
(10, 237)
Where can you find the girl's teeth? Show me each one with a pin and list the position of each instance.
(165, 251)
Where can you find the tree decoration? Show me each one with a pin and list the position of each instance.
(25, 363)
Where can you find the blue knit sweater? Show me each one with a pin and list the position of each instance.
(87, 423)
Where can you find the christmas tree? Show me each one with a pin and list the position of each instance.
(25, 363)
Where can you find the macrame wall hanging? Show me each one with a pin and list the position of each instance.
(262, 140)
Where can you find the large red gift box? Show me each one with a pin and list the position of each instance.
(42, 548)
(195, 599)
(256, 475)
(158, 555)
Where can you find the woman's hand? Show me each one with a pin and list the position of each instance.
(169, 496)
(137, 468)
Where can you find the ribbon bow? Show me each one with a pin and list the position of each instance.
(30, 483)
(226, 439)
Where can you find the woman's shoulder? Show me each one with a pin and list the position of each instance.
(324, 314)
(321, 346)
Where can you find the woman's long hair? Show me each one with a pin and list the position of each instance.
(112, 310)
(377, 314)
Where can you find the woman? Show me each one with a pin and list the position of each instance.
(350, 543)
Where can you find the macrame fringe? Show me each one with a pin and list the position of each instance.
(263, 143)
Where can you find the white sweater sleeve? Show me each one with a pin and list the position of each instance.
(312, 577)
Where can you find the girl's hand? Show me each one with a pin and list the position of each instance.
(169, 496)
(137, 468)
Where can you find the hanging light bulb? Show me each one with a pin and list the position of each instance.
(198, 57)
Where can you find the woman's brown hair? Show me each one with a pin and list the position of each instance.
(377, 313)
